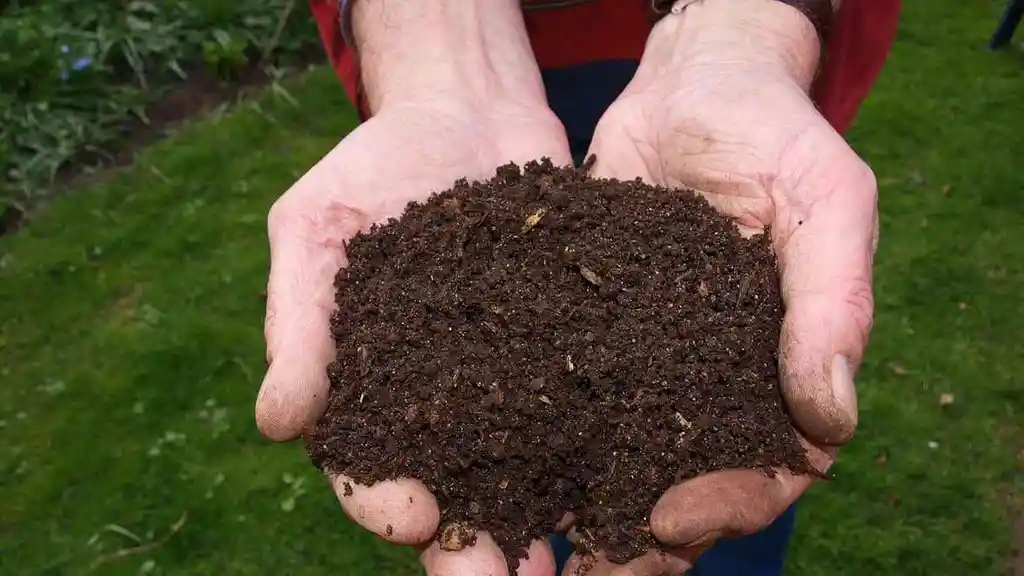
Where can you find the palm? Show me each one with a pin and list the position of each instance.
(767, 159)
(404, 156)
(395, 158)
(744, 150)
(758, 150)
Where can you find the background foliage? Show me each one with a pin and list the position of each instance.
(75, 75)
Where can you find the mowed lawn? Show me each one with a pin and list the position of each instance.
(131, 345)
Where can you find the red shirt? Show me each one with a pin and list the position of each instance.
(562, 37)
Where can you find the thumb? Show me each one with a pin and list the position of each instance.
(306, 252)
(826, 285)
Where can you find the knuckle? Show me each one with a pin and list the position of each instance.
(283, 212)
(317, 222)
(857, 176)
(865, 179)
(269, 319)
(867, 185)
(860, 301)
(864, 184)
(752, 519)
(270, 331)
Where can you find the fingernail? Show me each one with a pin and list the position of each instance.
(843, 390)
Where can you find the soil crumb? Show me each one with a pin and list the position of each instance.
(546, 342)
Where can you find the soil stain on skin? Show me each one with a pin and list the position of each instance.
(547, 342)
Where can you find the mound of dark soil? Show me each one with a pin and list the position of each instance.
(547, 342)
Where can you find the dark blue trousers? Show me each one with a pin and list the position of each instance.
(761, 554)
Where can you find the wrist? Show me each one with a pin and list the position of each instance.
(758, 35)
(451, 50)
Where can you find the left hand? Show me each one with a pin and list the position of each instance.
(722, 106)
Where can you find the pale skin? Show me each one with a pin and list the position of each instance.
(720, 103)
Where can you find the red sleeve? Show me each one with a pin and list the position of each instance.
(340, 55)
(861, 39)
(863, 34)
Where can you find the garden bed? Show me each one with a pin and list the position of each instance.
(85, 85)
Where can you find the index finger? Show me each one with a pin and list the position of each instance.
(400, 511)
(306, 252)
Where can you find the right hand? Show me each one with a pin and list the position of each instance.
(402, 154)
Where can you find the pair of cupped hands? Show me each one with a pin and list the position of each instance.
(722, 108)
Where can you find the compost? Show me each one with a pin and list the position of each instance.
(545, 342)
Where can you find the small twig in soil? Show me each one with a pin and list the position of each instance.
(456, 536)
(683, 421)
(636, 400)
(590, 276)
(687, 438)
(364, 355)
(454, 205)
(744, 288)
(460, 242)
(588, 164)
(533, 219)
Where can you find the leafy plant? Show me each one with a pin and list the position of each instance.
(75, 75)
(224, 52)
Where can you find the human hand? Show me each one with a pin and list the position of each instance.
(720, 104)
(396, 157)
(462, 121)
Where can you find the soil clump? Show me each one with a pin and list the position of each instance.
(546, 342)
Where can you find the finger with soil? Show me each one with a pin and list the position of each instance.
(400, 511)
(485, 557)
(728, 503)
(736, 502)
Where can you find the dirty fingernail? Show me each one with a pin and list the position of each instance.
(844, 393)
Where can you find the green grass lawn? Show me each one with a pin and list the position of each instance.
(131, 345)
